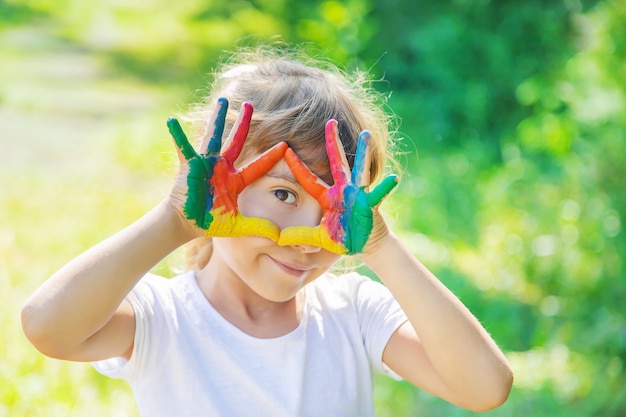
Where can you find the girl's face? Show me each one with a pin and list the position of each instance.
(275, 272)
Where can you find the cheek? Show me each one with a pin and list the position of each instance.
(325, 260)
(309, 214)
(252, 203)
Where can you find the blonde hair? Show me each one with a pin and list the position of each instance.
(293, 97)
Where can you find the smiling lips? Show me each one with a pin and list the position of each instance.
(291, 269)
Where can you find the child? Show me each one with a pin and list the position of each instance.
(258, 326)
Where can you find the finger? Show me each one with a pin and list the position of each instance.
(262, 163)
(313, 184)
(339, 167)
(239, 133)
(381, 191)
(182, 143)
(217, 121)
(362, 159)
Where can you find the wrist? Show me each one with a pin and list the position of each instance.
(174, 206)
(171, 225)
(379, 247)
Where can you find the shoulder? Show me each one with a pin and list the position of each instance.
(357, 306)
(155, 292)
(350, 288)
(350, 282)
(159, 284)
(338, 283)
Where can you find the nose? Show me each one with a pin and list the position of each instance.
(303, 248)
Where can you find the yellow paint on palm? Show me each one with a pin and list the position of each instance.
(231, 224)
(315, 236)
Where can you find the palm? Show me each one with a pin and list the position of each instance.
(348, 207)
(213, 184)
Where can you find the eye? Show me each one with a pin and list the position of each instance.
(285, 196)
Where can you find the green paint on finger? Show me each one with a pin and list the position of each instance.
(200, 191)
(362, 224)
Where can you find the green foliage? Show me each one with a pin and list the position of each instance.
(462, 61)
(513, 118)
(12, 13)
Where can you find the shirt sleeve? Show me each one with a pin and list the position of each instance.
(380, 316)
(147, 303)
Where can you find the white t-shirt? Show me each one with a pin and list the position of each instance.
(189, 361)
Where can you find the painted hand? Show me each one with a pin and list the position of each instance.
(213, 183)
(349, 209)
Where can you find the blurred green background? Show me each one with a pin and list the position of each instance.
(513, 115)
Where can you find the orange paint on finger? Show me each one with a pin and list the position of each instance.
(226, 187)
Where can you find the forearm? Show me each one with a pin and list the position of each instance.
(82, 296)
(460, 350)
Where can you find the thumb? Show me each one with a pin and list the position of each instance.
(382, 190)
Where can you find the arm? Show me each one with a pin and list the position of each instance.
(81, 313)
(442, 349)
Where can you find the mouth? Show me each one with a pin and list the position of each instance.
(291, 269)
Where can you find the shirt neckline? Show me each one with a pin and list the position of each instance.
(206, 311)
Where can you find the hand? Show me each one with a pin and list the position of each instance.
(213, 183)
(349, 209)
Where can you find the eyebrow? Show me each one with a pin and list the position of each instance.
(286, 177)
